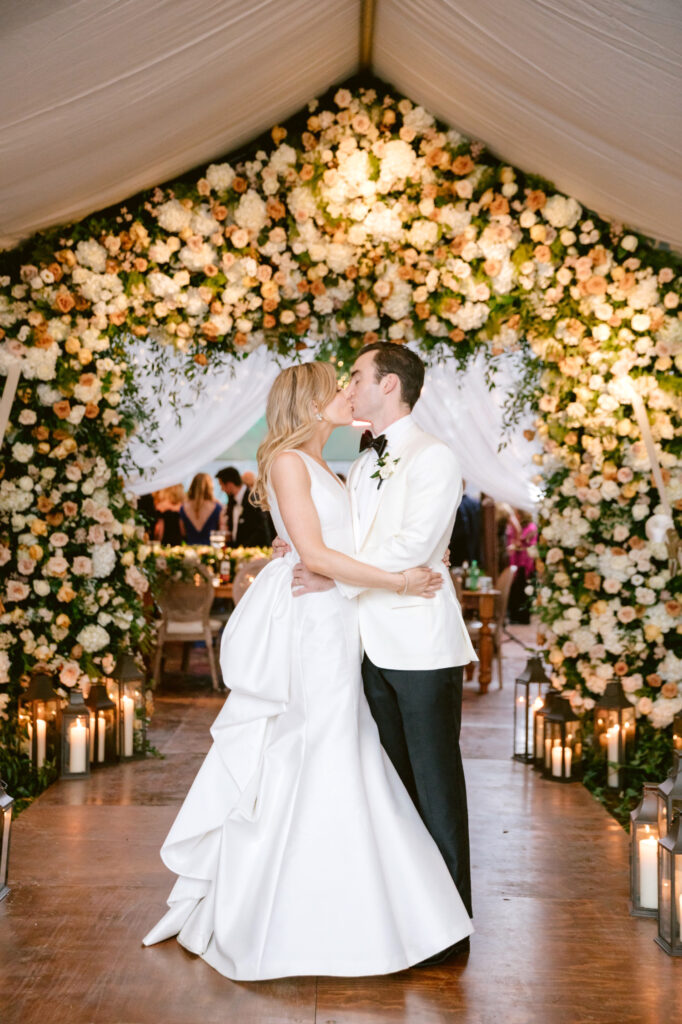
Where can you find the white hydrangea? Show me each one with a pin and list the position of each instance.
(221, 176)
(398, 162)
(196, 258)
(663, 711)
(91, 254)
(203, 222)
(173, 216)
(93, 638)
(40, 363)
(103, 560)
(419, 120)
(562, 212)
(251, 213)
(423, 234)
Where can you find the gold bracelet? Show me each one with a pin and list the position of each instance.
(404, 590)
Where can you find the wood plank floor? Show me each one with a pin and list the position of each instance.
(554, 943)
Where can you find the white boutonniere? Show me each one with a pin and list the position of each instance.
(385, 468)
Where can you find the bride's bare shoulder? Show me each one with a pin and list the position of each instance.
(289, 468)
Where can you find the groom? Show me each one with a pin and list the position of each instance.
(404, 492)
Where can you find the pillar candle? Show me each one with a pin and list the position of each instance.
(128, 708)
(556, 762)
(648, 872)
(92, 736)
(612, 753)
(41, 734)
(77, 747)
(101, 735)
(534, 708)
(548, 753)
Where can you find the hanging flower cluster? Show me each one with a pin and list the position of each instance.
(369, 221)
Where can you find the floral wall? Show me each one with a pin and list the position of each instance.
(362, 219)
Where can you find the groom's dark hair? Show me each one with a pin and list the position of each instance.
(404, 363)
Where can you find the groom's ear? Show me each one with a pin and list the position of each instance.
(389, 383)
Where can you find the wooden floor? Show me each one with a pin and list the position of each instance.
(554, 943)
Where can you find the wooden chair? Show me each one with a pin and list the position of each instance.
(185, 618)
(504, 584)
(245, 576)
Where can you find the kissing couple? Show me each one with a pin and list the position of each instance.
(326, 830)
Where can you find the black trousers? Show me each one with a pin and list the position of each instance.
(419, 715)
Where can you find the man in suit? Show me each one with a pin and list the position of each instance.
(248, 525)
(404, 491)
(465, 542)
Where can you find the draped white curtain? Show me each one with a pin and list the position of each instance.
(101, 98)
(209, 414)
(219, 407)
(460, 408)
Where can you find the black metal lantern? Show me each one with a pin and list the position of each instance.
(38, 719)
(6, 805)
(528, 700)
(614, 732)
(669, 795)
(644, 854)
(677, 732)
(75, 737)
(562, 742)
(539, 729)
(669, 935)
(132, 712)
(103, 725)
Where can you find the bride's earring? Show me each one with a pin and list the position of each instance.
(318, 416)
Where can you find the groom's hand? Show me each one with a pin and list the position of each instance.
(307, 582)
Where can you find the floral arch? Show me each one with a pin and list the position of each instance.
(362, 219)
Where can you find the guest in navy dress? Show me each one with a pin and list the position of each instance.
(201, 514)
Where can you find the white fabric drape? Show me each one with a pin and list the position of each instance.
(460, 408)
(102, 98)
(584, 92)
(215, 410)
(224, 403)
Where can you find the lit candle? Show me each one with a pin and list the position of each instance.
(534, 708)
(556, 762)
(128, 706)
(648, 871)
(548, 753)
(612, 738)
(680, 917)
(101, 732)
(92, 736)
(41, 734)
(538, 733)
(77, 747)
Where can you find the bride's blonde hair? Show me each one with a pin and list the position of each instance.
(290, 415)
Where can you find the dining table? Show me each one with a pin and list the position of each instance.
(483, 603)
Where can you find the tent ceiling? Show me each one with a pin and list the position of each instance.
(102, 98)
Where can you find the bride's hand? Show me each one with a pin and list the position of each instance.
(422, 582)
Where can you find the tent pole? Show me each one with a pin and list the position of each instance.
(366, 34)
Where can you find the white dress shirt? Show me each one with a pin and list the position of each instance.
(366, 488)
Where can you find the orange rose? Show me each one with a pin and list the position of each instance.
(536, 199)
(44, 503)
(278, 134)
(269, 321)
(64, 301)
(55, 518)
(209, 331)
(499, 206)
(201, 359)
(240, 339)
(62, 409)
(239, 184)
(620, 668)
(462, 165)
(654, 680)
(592, 580)
(91, 410)
(457, 335)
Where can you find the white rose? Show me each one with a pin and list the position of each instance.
(562, 212)
(93, 638)
(221, 176)
(22, 452)
(173, 216)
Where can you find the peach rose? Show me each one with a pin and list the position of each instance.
(670, 690)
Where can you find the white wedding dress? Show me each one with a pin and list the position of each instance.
(298, 850)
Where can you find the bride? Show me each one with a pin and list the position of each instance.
(298, 850)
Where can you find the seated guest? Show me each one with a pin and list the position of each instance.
(465, 542)
(248, 525)
(170, 528)
(201, 514)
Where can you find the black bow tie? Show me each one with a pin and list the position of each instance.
(377, 443)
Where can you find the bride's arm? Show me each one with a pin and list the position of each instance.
(291, 482)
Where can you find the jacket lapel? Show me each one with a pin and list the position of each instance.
(393, 453)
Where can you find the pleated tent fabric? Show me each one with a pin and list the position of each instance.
(102, 98)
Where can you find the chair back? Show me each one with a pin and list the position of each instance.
(187, 601)
(245, 576)
(504, 585)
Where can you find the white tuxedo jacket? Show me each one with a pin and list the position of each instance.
(411, 525)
